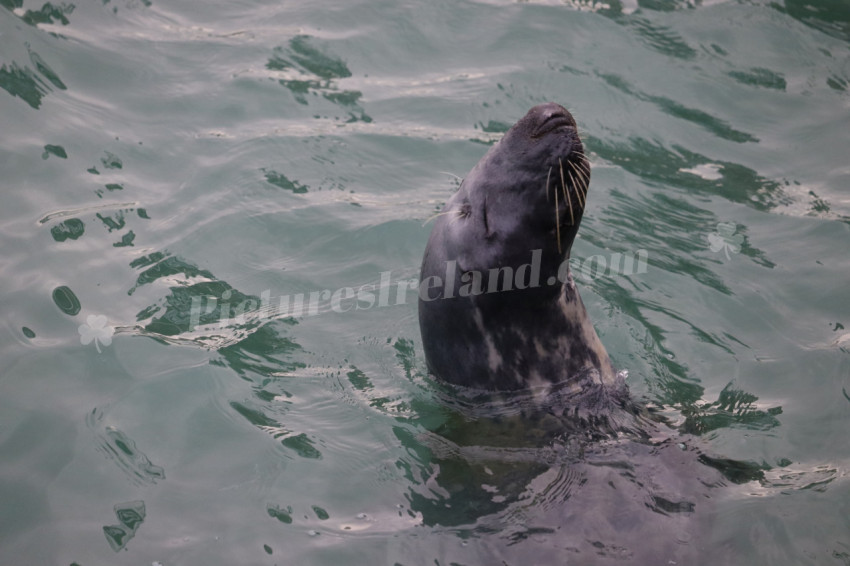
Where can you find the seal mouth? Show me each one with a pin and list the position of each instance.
(552, 123)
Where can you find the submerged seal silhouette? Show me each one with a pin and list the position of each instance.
(498, 308)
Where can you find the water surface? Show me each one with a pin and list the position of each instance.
(156, 153)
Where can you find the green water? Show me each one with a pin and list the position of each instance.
(159, 154)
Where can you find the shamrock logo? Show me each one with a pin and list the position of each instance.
(726, 239)
(96, 330)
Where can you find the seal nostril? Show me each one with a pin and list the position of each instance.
(551, 123)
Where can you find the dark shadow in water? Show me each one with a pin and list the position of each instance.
(831, 17)
(669, 106)
(252, 344)
(298, 444)
(664, 167)
(114, 222)
(121, 449)
(732, 408)
(130, 516)
(66, 300)
(212, 314)
(23, 83)
(668, 230)
(667, 5)
(214, 300)
(27, 85)
(264, 352)
(661, 38)
(49, 13)
(672, 382)
(317, 75)
(759, 77)
(302, 54)
(281, 181)
(56, 150)
(655, 36)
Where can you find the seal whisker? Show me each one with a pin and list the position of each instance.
(580, 154)
(581, 186)
(566, 196)
(583, 177)
(581, 169)
(583, 190)
(443, 213)
(557, 222)
(462, 213)
(576, 187)
(547, 184)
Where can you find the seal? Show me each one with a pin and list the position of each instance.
(498, 307)
(541, 451)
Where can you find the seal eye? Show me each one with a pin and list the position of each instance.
(465, 210)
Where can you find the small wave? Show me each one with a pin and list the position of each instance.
(122, 450)
(85, 209)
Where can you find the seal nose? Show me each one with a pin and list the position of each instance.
(550, 116)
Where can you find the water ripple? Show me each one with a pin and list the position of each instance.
(122, 450)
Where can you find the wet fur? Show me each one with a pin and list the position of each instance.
(527, 193)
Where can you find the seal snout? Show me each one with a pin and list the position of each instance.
(550, 117)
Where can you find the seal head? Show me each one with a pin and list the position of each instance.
(498, 308)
